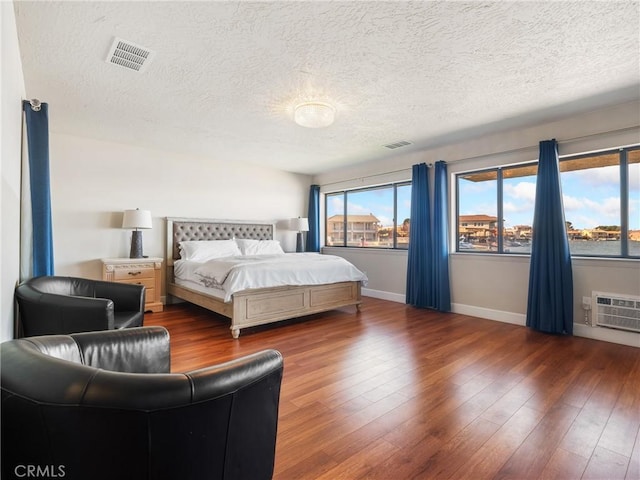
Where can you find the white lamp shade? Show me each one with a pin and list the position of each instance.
(299, 224)
(136, 219)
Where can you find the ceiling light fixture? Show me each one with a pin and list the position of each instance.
(314, 114)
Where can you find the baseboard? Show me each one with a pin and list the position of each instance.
(632, 339)
(490, 314)
(611, 335)
(392, 297)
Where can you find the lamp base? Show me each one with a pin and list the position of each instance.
(299, 243)
(136, 244)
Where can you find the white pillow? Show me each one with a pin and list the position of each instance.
(205, 250)
(259, 247)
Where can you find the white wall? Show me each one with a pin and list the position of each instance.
(496, 286)
(12, 92)
(93, 182)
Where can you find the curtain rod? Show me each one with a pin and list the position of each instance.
(560, 142)
(35, 104)
(619, 130)
(368, 176)
(402, 170)
(513, 150)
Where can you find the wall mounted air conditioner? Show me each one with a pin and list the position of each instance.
(615, 311)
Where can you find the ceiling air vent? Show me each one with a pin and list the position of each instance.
(129, 55)
(401, 143)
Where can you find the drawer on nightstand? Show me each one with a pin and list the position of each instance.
(133, 274)
(150, 295)
(149, 291)
(147, 282)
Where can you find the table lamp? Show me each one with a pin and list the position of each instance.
(300, 225)
(136, 219)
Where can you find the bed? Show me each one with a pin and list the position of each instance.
(252, 306)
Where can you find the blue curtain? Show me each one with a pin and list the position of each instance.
(37, 123)
(550, 302)
(420, 250)
(440, 268)
(313, 235)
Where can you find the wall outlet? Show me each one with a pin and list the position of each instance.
(586, 303)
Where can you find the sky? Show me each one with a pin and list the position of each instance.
(591, 198)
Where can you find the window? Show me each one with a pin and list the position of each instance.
(375, 217)
(601, 197)
(496, 200)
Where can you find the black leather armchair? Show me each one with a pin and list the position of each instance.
(103, 405)
(61, 305)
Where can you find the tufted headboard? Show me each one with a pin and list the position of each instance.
(183, 229)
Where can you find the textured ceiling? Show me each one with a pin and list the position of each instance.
(226, 75)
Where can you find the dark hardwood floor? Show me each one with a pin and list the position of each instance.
(398, 393)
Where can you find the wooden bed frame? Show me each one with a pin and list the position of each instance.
(257, 306)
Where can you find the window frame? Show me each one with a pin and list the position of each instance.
(623, 166)
(393, 185)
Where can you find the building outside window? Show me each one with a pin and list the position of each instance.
(360, 229)
(477, 230)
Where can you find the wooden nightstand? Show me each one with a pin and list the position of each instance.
(141, 271)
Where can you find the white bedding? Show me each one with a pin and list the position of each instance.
(183, 276)
(233, 274)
